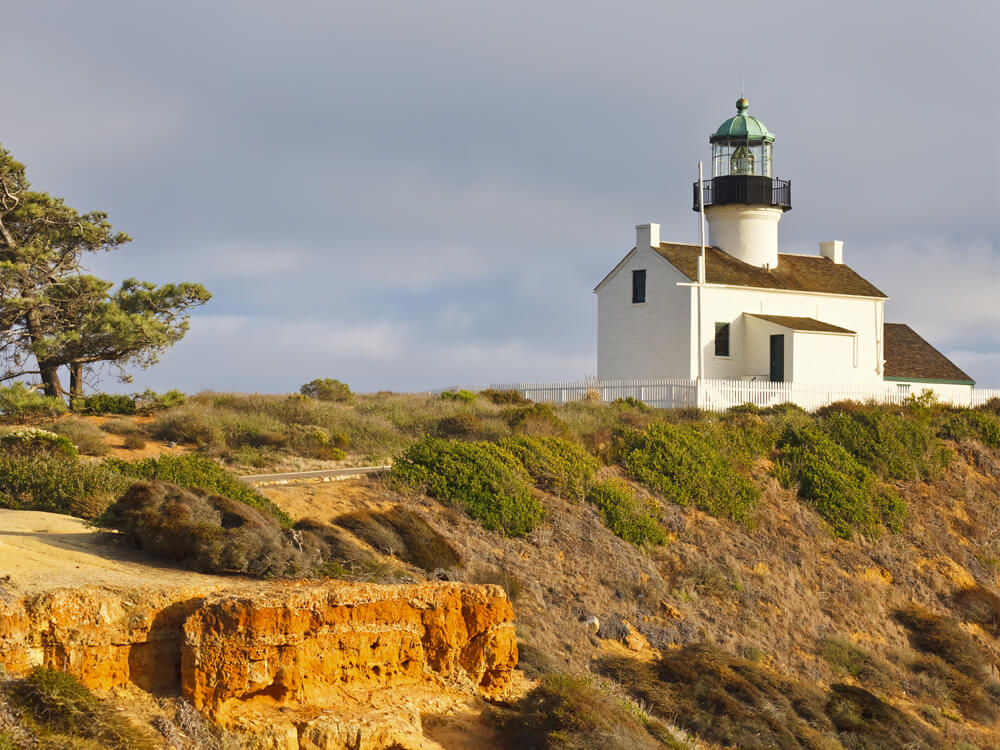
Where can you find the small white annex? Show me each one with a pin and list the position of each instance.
(743, 310)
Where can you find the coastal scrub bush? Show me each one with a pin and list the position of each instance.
(197, 472)
(57, 485)
(536, 419)
(510, 397)
(981, 425)
(404, 534)
(212, 534)
(581, 713)
(464, 396)
(19, 403)
(482, 478)
(327, 389)
(687, 469)
(67, 714)
(629, 517)
(104, 403)
(121, 426)
(843, 491)
(150, 401)
(893, 446)
(556, 465)
(86, 436)
(189, 425)
(33, 442)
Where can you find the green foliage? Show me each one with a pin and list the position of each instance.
(197, 472)
(893, 446)
(742, 437)
(687, 469)
(626, 515)
(464, 396)
(979, 424)
(536, 419)
(19, 403)
(630, 402)
(149, 400)
(33, 442)
(504, 398)
(188, 425)
(63, 710)
(847, 658)
(210, 533)
(86, 436)
(839, 488)
(556, 465)
(991, 405)
(105, 403)
(56, 485)
(327, 389)
(134, 441)
(480, 477)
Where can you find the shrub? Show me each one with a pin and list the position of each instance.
(19, 403)
(684, 466)
(327, 389)
(86, 436)
(482, 478)
(509, 397)
(121, 426)
(579, 713)
(105, 403)
(33, 442)
(210, 533)
(404, 534)
(464, 396)
(457, 426)
(536, 419)
(314, 441)
(983, 426)
(134, 442)
(838, 487)
(942, 637)
(197, 472)
(979, 605)
(149, 400)
(556, 465)
(188, 426)
(626, 515)
(630, 402)
(991, 405)
(64, 709)
(57, 485)
(893, 446)
(505, 579)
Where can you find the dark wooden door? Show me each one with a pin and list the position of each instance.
(778, 358)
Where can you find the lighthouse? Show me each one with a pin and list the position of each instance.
(743, 200)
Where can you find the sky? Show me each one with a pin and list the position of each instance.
(411, 195)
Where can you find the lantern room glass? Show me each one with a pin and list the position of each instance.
(741, 157)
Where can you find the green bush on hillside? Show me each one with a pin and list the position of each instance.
(35, 443)
(86, 436)
(150, 400)
(211, 534)
(104, 403)
(626, 515)
(536, 419)
(197, 472)
(687, 469)
(836, 485)
(893, 446)
(464, 396)
(505, 397)
(58, 485)
(327, 389)
(978, 424)
(482, 478)
(556, 465)
(19, 403)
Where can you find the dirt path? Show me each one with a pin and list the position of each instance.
(41, 551)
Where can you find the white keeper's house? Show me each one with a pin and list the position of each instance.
(744, 311)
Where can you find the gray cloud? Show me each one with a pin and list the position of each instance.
(410, 194)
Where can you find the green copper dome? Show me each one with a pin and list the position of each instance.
(742, 127)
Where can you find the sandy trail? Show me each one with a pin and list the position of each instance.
(42, 551)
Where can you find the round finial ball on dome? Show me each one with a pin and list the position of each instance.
(742, 104)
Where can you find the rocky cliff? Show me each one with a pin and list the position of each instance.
(300, 665)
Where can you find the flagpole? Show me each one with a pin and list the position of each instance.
(701, 279)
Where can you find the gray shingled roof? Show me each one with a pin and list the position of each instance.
(907, 355)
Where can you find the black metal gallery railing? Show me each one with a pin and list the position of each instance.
(747, 190)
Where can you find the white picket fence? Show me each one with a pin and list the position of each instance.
(716, 394)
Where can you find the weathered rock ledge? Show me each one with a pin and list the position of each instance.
(298, 651)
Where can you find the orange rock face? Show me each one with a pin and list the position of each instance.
(289, 645)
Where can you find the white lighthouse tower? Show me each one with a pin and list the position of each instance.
(743, 201)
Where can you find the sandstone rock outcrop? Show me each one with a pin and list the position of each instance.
(283, 656)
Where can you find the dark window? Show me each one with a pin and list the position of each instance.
(722, 339)
(639, 286)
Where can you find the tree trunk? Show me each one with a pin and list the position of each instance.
(50, 379)
(75, 381)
